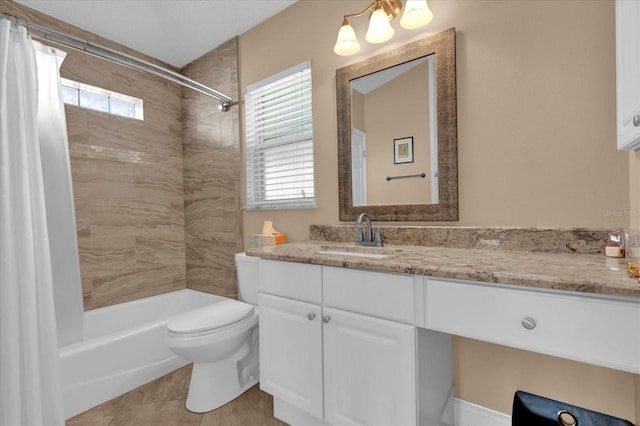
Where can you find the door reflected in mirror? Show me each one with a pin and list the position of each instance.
(394, 135)
(397, 133)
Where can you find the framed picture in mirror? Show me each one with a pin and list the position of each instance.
(403, 150)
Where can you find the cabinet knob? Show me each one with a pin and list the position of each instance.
(326, 318)
(529, 323)
(311, 316)
(636, 120)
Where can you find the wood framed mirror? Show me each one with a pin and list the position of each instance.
(397, 133)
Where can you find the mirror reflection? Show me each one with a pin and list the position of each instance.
(397, 133)
(394, 155)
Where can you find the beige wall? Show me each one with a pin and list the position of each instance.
(127, 179)
(357, 110)
(395, 110)
(537, 146)
(488, 375)
(536, 110)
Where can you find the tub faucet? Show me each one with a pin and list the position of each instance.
(367, 239)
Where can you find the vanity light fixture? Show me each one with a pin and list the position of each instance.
(416, 15)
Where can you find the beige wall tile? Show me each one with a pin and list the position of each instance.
(125, 285)
(212, 176)
(127, 179)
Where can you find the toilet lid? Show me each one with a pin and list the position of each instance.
(210, 317)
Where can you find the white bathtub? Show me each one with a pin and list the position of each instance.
(123, 348)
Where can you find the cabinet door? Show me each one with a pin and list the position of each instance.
(627, 71)
(370, 373)
(291, 352)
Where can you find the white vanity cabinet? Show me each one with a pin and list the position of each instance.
(369, 347)
(343, 346)
(291, 352)
(586, 328)
(340, 347)
(369, 370)
(291, 333)
(627, 72)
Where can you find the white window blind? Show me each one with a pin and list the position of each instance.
(279, 141)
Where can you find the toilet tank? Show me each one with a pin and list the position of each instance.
(247, 267)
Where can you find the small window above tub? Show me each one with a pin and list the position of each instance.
(98, 99)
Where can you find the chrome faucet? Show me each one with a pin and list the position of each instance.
(367, 239)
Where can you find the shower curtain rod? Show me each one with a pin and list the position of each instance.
(121, 58)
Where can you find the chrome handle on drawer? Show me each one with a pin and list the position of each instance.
(326, 318)
(529, 323)
(636, 120)
(311, 316)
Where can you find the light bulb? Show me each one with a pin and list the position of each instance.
(416, 14)
(380, 30)
(347, 42)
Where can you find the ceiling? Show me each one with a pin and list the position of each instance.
(174, 31)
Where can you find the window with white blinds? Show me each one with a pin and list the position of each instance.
(279, 141)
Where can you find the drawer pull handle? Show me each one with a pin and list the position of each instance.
(636, 120)
(326, 318)
(529, 323)
(311, 316)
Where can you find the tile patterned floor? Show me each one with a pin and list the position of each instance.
(161, 403)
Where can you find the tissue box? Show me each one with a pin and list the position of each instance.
(261, 240)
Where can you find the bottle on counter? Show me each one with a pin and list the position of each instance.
(615, 244)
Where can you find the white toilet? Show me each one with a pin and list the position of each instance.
(222, 341)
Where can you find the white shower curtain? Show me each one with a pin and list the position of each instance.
(58, 192)
(30, 391)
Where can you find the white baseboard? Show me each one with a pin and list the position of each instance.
(468, 414)
(465, 414)
(294, 416)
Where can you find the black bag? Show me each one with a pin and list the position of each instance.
(534, 410)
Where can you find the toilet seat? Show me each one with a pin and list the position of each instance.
(210, 318)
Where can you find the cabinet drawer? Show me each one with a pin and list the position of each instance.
(594, 330)
(383, 295)
(298, 281)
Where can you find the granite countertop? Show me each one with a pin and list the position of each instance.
(585, 273)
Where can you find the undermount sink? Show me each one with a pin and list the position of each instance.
(354, 253)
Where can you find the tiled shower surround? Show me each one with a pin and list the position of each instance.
(127, 181)
(157, 201)
(211, 147)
